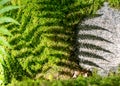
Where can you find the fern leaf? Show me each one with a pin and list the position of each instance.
(4, 2)
(4, 42)
(2, 51)
(8, 8)
(1, 59)
(7, 20)
(4, 31)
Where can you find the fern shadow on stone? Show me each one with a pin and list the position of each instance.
(88, 46)
(60, 24)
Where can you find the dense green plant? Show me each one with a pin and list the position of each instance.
(114, 3)
(4, 35)
(47, 33)
(46, 36)
(52, 25)
(112, 80)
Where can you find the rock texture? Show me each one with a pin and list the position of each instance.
(110, 20)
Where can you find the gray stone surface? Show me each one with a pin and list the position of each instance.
(110, 20)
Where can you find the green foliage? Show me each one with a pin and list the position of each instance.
(8, 8)
(114, 3)
(112, 80)
(4, 31)
(4, 45)
(46, 38)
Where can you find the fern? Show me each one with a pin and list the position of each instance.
(46, 38)
(50, 35)
(4, 45)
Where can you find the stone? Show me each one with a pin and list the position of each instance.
(110, 21)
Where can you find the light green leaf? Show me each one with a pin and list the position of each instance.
(2, 2)
(4, 31)
(4, 42)
(1, 59)
(2, 51)
(7, 20)
(8, 8)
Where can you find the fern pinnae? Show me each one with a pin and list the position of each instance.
(4, 44)
(8, 20)
(4, 31)
(3, 2)
(8, 8)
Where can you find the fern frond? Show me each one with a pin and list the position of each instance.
(2, 51)
(2, 2)
(47, 34)
(4, 31)
(8, 8)
(5, 62)
(8, 20)
(3, 42)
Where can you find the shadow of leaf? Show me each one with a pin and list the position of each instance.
(92, 37)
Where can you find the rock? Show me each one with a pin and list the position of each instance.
(109, 20)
